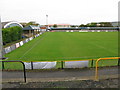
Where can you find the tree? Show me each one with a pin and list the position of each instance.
(11, 34)
(105, 24)
(32, 23)
(82, 25)
(92, 25)
(73, 25)
(23, 24)
(55, 25)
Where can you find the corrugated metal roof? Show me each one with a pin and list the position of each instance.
(31, 27)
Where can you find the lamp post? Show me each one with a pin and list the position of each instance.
(1, 43)
(47, 21)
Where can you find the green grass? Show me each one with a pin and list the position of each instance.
(57, 46)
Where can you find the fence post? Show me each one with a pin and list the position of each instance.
(119, 62)
(24, 71)
(62, 65)
(3, 67)
(92, 63)
(96, 69)
(31, 65)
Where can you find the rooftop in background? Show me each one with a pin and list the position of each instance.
(59, 25)
(31, 27)
(11, 24)
(115, 24)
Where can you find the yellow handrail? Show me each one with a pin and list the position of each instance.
(96, 68)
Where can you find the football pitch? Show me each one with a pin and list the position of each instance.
(57, 46)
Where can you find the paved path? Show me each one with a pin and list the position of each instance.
(62, 75)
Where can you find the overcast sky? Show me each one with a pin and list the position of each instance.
(59, 11)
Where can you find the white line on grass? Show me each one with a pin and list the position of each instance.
(33, 46)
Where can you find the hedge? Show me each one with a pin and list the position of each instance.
(11, 34)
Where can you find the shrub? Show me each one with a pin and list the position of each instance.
(11, 34)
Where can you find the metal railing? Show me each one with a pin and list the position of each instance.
(61, 62)
(62, 65)
(96, 68)
(16, 61)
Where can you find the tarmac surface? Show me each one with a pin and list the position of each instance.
(57, 76)
(84, 73)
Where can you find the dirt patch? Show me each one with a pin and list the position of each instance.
(106, 83)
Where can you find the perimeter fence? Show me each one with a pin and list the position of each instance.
(65, 64)
(19, 44)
